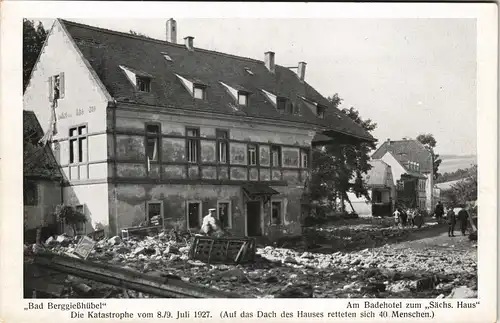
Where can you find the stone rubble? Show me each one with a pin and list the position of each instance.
(384, 272)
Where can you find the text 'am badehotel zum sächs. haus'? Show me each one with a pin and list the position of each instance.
(147, 127)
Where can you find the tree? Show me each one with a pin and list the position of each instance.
(70, 215)
(135, 33)
(33, 40)
(464, 191)
(430, 143)
(338, 167)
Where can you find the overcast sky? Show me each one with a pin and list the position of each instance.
(410, 76)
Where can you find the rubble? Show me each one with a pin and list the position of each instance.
(391, 270)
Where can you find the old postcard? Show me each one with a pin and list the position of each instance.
(289, 162)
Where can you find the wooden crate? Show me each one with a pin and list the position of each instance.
(222, 250)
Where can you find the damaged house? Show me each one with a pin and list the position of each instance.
(144, 128)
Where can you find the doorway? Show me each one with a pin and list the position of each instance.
(253, 219)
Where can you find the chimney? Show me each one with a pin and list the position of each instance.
(269, 61)
(301, 71)
(188, 40)
(172, 31)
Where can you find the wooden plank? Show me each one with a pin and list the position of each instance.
(85, 247)
(127, 278)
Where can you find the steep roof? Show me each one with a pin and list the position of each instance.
(378, 175)
(405, 151)
(107, 50)
(38, 160)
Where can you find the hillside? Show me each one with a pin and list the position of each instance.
(453, 163)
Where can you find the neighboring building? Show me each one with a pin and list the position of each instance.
(381, 190)
(42, 177)
(412, 168)
(148, 127)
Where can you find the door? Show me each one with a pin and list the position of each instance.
(253, 219)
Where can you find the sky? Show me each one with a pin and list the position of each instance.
(410, 76)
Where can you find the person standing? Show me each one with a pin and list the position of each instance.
(463, 218)
(397, 217)
(439, 211)
(451, 217)
(209, 224)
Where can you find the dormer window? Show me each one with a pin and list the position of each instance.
(167, 57)
(143, 84)
(320, 111)
(281, 105)
(249, 71)
(242, 98)
(199, 92)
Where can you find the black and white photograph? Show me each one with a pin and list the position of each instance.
(251, 158)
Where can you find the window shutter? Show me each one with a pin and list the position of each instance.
(51, 89)
(61, 85)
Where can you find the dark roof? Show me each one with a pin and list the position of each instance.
(38, 161)
(407, 150)
(106, 50)
(259, 189)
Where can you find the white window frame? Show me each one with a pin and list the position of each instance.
(230, 213)
(252, 149)
(193, 142)
(200, 215)
(154, 202)
(82, 144)
(304, 160)
(282, 214)
(223, 146)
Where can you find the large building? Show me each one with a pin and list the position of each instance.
(143, 127)
(412, 167)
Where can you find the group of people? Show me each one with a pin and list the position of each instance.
(451, 218)
(406, 217)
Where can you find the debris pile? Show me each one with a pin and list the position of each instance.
(384, 272)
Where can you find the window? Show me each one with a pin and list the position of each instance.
(56, 87)
(143, 83)
(252, 155)
(78, 152)
(222, 145)
(242, 98)
(194, 215)
(199, 92)
(275, 156)
(224, 214)
(276, 213)
(320, 111)
(30, 193)
(152, 142)
(248, 71)
(154, 213)
(193, 144)
(377, 197)
(305, 158)
(80, 226)
(281, 104)
(167, 57)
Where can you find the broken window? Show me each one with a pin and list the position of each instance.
(276, 213)
(193, 144)
(222, 145)
(152, 142)
(275, 156)
(199, 92)
(224, 214)
(30, 193)
(143, 83)
(154, 213)
(252, 155)
(194, 215)
(78, 146)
